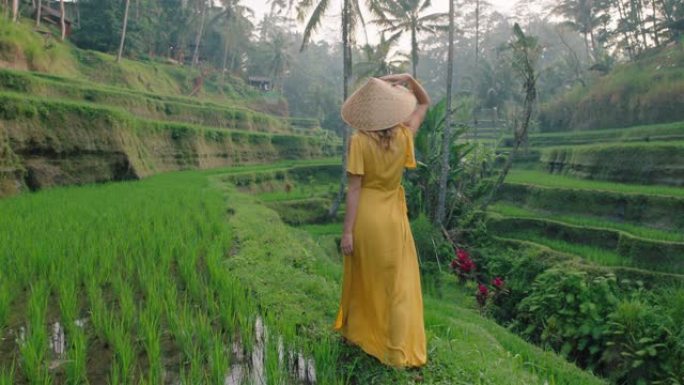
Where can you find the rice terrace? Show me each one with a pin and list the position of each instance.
(174, 189)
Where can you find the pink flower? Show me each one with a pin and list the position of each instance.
(483, 290)
(498, 282)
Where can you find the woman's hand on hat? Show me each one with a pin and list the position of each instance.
(347, 244)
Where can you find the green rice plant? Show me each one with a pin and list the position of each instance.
(326, 355)
(151, 335)
(275, 368)
(77, 359)
(219, 359)
(99, 315)
(127, 308)
(124, 353)
(7, 374)
(5, 300)
(34, 348)
(68, 302)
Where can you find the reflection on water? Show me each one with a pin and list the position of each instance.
(252, 368)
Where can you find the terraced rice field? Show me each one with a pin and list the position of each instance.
(634, 226)
(181, 278)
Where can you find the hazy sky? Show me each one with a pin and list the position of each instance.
(330, 27)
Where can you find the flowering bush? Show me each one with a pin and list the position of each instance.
(462, 265)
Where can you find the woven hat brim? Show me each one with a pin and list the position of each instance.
(378, 105)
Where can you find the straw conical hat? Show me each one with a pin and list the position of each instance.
(378, 105)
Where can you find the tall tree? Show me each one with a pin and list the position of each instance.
(377, 61)
(446, 140)
(351, 15)
(583, 16)
(15, 10)
(525, 56)
(408, 16)
(39, 10)
(123, 32)
(200, 32)
(279, 59)
(235, 28)
(62, 23)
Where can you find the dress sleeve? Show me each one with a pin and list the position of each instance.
(410, 152)
(355, 155)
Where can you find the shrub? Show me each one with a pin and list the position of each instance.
(636, 342)
(566, 310)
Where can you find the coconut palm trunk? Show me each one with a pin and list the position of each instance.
(346, 74)
(441, 198)
(15, 10)
(39, 10)
(123, 32)
(62, 23)
(414, 51)
(198, 37)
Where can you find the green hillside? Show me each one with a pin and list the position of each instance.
(644, 91)
(78, 117)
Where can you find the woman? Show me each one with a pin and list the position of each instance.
(381, 309)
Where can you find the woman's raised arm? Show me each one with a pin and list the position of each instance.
(416, 118)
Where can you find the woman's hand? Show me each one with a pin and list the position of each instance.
(347, 244)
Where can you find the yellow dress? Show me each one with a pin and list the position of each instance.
(381, 309)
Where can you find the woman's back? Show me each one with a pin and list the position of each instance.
(382, 168)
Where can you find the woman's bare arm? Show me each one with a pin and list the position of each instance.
(416, 118)
(353, 192)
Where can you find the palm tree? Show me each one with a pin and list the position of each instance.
(198, 37)
(235, 23)
(378, 61)
(351, 15)
(440, 213)
(61, 19)
(123, 32)
(408, 16)
(280, 59)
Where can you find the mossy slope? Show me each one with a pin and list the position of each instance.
(48, 143)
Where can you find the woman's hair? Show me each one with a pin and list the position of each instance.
(382, 137)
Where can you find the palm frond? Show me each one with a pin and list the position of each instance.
(314, 21)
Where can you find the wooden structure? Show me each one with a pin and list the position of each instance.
(261, 82)
(52, 16)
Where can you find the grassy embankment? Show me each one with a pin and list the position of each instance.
(83, 118)
(642, 92)
(158, 279)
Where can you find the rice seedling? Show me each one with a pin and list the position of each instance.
(68, 302)
(124, 353)
(5, 299)
(76, 354)
(34, 346)
(219, 360)
(7, 375)
(151, 334)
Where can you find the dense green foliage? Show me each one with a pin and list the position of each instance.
(601, 320)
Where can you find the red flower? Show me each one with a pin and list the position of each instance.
(498, 282)
(483, 290)
(462, 254)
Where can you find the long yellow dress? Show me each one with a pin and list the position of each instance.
(381, 309)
